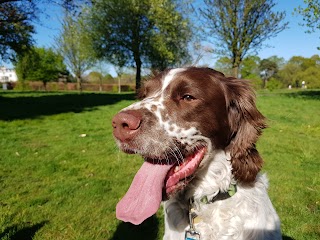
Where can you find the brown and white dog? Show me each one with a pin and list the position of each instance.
(196, 130)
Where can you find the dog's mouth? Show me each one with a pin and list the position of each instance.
(155, 181)
(182, 173)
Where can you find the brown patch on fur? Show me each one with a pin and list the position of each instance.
(226, 113)
(154, 108)
(152, 86)
(207, 112)
(246, 124)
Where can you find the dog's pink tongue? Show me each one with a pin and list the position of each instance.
(144, 196)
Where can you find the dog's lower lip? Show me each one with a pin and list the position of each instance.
(184, 171)
(129, 151)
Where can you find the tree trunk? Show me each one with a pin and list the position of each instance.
(138, 73)
(100, 84)
(79, 85)
(264, 83)
(235, 71)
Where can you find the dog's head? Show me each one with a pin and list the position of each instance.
(185, 114)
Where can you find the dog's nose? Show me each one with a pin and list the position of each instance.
(126, 124)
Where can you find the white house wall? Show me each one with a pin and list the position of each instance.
(7, 75)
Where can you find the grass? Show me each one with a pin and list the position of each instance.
(61, 174)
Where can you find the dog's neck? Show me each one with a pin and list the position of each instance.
(213, 183)
(212, 180)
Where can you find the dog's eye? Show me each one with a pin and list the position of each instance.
(188, 98)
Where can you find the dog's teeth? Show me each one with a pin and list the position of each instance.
(176, 169)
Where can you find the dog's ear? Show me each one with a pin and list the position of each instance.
(246, 124)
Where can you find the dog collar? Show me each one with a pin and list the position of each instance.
(192, 233)
(220, 195)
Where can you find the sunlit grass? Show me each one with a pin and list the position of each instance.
(61, 174)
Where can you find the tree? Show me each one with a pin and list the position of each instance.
(238, 27)
(267, 69)
(310, 76)
(299, 69)
(17, 19)
(250, 67)
(16, 28)
(94, 77)
(40, 64)
(132, 33)
(75, 45)
(310, 14)
(224, 65)
(279, 61)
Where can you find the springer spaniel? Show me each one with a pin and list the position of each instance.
(196, 130)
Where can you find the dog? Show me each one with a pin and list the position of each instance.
(196, 130)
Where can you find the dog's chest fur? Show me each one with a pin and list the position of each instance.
(231, 218)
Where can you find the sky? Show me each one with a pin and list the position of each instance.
(290, 42)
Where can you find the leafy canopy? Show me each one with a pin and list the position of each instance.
(40, 64)
(131, 33)
(17, 19)
(240, 26)
(75, 45)
(310, 14)
(16, 27)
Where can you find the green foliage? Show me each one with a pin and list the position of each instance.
(311, 76)
(277, 72)
(17, 19)
(255, 81)
(16, 27)
(47, 65)
(75, 45)
(109, 79)
(273, 84)
(58, 184)
(299, 69)
(94, 77)
(240, 27)
(310, 14)
(267, 69)
(131, 33)
(279, 61)
(40, 64)
(224, 65)
(250, 67)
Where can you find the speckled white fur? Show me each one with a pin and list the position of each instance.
(185, 136)
(247, 215)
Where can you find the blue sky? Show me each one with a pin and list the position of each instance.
(290, 42)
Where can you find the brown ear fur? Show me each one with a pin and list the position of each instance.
(246, 124)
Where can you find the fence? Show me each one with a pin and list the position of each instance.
(61, 86)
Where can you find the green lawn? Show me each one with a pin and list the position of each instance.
(61, 174)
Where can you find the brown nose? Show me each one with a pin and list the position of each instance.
(126, 125)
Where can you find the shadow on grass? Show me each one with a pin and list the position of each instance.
(25, 231)
(287, 238)
(31, 105)
(306, 94)
(146, 230)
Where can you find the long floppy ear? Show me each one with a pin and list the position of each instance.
(246, 124)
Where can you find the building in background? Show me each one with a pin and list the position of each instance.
(7, 75)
